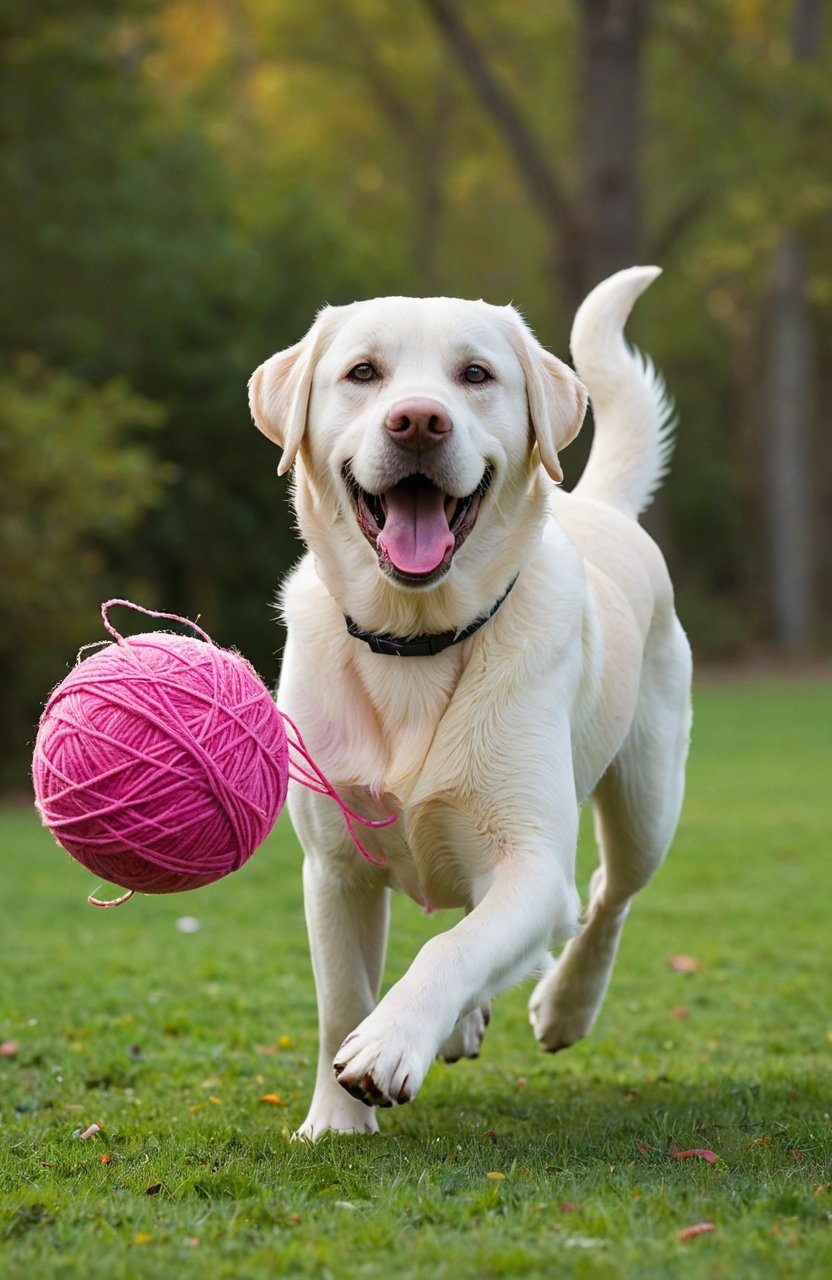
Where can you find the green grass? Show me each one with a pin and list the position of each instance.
(169, 1041)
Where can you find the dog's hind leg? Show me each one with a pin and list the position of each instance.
(636, 808)
(465, 1041)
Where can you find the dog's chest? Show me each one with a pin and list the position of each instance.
(433, 852)
(405, 701)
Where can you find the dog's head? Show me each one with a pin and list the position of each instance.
(419, 425)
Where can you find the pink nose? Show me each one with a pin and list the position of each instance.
(418, 423)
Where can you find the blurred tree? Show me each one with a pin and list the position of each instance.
(701, 174)
(791, 400)
(76, 477)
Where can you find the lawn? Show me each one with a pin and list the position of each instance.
(194, 1053)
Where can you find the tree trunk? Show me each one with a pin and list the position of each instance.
(790, 385)
(789, 403)
(610, 129)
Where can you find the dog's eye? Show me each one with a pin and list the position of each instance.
(476, 373)
(364, 372)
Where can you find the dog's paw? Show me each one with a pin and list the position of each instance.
(340, 1116)
(465, 1041)
(381, 1067)
(558, 1023)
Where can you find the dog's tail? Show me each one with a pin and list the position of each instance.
(634, 416)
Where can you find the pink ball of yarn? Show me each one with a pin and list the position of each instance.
(161, 761)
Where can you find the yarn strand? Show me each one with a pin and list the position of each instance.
(316, 780)
(150, 613)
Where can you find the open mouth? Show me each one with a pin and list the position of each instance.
(415, 528)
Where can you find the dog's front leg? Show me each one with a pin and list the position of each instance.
(347, 919)
(530, 902)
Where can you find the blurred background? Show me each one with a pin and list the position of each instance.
(184, 183)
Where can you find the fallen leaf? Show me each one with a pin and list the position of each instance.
(698, 1229)
(760, 1142)
(153, 1189)
(494, 1176)
(566, 1206)
(216, 1101)
(644, 1148)
(521, 1082)
(141, 1237)
(294, 1219)
(8, 1049)
(683, 964)
(90, 1131)
(273, 1099)
(106, 1159)
(680, 1012)
(695, 1151)
(268, 1050)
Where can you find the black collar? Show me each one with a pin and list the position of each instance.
(422, 646)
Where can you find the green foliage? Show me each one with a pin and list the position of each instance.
(170, 1041)
(77, 475)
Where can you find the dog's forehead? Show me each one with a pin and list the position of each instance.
(420, 326)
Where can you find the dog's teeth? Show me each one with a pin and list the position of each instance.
(451, 508)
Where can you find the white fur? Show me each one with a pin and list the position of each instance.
(577, 687)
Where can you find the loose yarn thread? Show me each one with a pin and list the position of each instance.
(162, 761)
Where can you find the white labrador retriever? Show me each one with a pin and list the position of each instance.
(477, 652)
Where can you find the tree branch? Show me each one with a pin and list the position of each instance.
(686, 215)
(542, 182)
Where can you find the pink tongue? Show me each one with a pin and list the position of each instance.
(416, 536)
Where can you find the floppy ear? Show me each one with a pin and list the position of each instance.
(278, 394)
(557, 397)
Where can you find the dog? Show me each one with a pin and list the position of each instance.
(477, 652)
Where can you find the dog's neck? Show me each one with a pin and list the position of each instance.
(428, 644)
